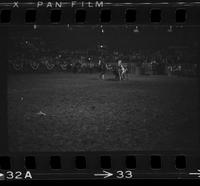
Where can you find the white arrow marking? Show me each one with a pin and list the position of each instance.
(195, 173)
(2, 176)
(105, 174)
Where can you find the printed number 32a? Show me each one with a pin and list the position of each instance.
(126, 174)
(18, 175)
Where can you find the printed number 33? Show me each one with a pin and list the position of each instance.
(126, 174)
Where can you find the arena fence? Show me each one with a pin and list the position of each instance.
(133, 68)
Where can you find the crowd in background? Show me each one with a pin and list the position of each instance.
(32, 57)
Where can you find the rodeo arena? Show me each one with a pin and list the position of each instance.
(114, 92)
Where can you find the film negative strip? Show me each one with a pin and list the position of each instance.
(99, 90)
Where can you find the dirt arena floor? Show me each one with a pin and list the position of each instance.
(60, 112)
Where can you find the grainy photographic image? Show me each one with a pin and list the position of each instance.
(103, 88)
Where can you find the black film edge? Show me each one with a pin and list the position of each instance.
(99, 90)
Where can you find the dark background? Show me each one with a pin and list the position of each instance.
(115, 37)
(3, 91)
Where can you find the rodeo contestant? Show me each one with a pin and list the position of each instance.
(102, 69)
(121, 69)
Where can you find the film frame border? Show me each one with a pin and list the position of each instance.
(118, 11)
(144, 170)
